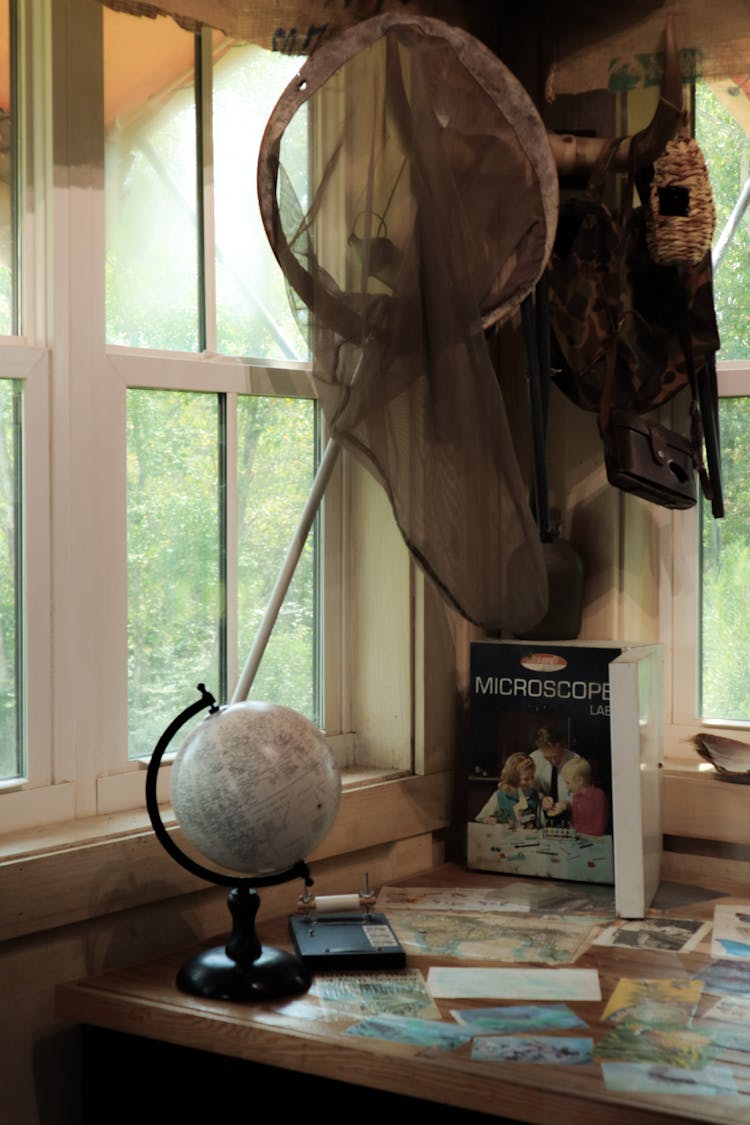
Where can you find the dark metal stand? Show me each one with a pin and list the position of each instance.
(243, 969)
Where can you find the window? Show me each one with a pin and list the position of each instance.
(14, 366)
(216, 481)
(709, 637)
(170, 433)
(190, 269)
(722, 121)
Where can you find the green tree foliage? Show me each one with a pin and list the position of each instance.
(11, 749)
(276, 465)
(176, 597)
(725, 607)
(726, 148)
(173, 556)
(177, 600)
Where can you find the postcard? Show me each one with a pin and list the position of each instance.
(304, 1009)
(519, 896)
(673, 896)
(655, 1003)
(532, 1049)
(492, 937)
(531, 984)
(677, 935)
(727, 1036)
(513, 1018)
(650, 1078)
(405, 1029)
(549, 896)
(670, 1046)
(731, 936)
(463, 899)
(361, 994)
(736, 1009)
(724, 978)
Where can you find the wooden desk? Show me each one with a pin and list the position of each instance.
(143, 1002)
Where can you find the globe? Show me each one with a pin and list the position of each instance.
(255, 787)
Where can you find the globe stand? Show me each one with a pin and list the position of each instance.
(243, 969)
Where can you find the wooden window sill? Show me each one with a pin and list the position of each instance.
(47, 876)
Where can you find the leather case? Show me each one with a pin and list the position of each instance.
(649, 461)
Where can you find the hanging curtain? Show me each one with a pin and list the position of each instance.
(585, 45)
(714, 40)
(293, 27)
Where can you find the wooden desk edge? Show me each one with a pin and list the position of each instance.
(531, 1093)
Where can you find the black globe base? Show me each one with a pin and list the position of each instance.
(243, 969)
(214, 975)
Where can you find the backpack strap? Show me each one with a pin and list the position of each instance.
(704, 421)
(535, 325)
(601, 168)
(626, 212)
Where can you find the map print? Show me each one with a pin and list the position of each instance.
(404, 993)
(491, 937)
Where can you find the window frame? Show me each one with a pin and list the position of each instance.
(75, 518)
(682, 629)
(680, 604)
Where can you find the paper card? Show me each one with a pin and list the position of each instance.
(655, 1078)
(462, 899)
(654, 1003)
(403, 1029)
(532, 1049)
(671, 1047)
(725, 977)
(731, 936)
(733, 1008)
(676, 935)
(675, 896)
(514, 1018)
(531, 984)
(403, 993)
(727, 1036)
(492, 937)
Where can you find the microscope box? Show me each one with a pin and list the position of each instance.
(593, 821)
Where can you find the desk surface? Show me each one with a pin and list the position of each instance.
(143, 1001)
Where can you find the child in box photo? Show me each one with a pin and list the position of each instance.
(589, 804)
(516, 800)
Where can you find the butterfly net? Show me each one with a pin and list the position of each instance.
(426, 214)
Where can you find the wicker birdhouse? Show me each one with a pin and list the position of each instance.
(681, 216)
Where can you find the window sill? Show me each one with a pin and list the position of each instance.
(48, 878)
(699, 805)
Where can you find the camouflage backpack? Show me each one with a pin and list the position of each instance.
(605, 289)
(625, 328)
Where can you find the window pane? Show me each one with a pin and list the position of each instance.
(174, 559)
(276, 454)
(11, 653)
(152, 289)
(726, 148)
(253, 314)
(724, 690)
(8, 234)
(725, 648)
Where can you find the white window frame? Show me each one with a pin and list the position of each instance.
(680, 607)
(75, 481)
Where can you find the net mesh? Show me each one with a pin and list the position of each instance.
(426, 215)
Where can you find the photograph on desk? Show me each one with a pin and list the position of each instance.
(540, 783)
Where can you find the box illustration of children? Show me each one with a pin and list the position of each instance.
(516, 800)
(589, 804)
(550, 756)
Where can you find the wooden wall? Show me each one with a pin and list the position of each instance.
(91, 905)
